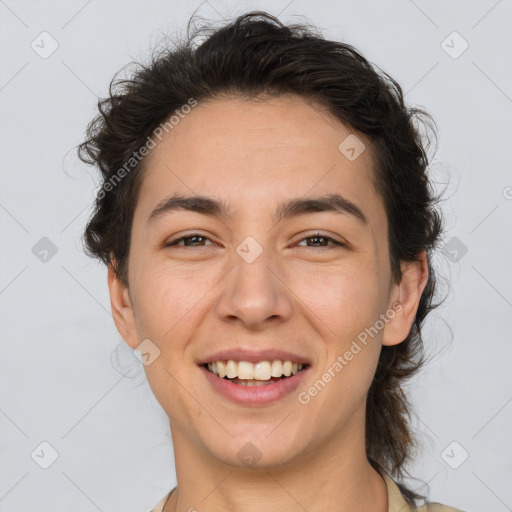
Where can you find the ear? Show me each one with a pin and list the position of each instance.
(406, 296)
(122, 310)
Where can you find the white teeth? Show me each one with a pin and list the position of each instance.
(277, 369)
(245, 370)
(231, 369)
(262, 371)
(221, 368)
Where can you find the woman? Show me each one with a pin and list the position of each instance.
(268, 225)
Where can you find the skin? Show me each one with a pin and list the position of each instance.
(311, 298)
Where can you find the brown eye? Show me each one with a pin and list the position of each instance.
(193, 240)
(319, 240)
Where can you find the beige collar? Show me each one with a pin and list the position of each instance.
(396, 502)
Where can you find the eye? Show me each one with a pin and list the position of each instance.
(193, 240)
(197, 240)
(320, 240)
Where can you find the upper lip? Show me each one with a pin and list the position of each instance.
(252, 356)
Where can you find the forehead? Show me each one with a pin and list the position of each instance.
(259, 151)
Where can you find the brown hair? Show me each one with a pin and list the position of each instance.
(257, 55)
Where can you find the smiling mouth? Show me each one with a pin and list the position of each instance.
(248, 374)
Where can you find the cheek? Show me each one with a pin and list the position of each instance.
(169, 299)
(345, 297)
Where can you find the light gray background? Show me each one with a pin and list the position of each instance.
(60, 383)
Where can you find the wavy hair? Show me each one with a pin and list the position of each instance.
(254, 56)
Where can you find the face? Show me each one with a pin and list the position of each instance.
(256, 276)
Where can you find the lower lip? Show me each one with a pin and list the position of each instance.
(254, 395)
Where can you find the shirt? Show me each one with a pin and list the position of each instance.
(396, 502)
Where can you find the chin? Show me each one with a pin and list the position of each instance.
(257, 451)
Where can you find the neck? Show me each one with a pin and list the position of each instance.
(335, 475)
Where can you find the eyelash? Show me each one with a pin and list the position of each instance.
(316, 235)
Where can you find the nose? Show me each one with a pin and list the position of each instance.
(255, 294)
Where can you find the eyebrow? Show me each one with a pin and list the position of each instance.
(290, 208)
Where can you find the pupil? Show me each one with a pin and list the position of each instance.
(316, 238)
(190, 240)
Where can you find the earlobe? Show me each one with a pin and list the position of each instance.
(408, 294)
(122, 310)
